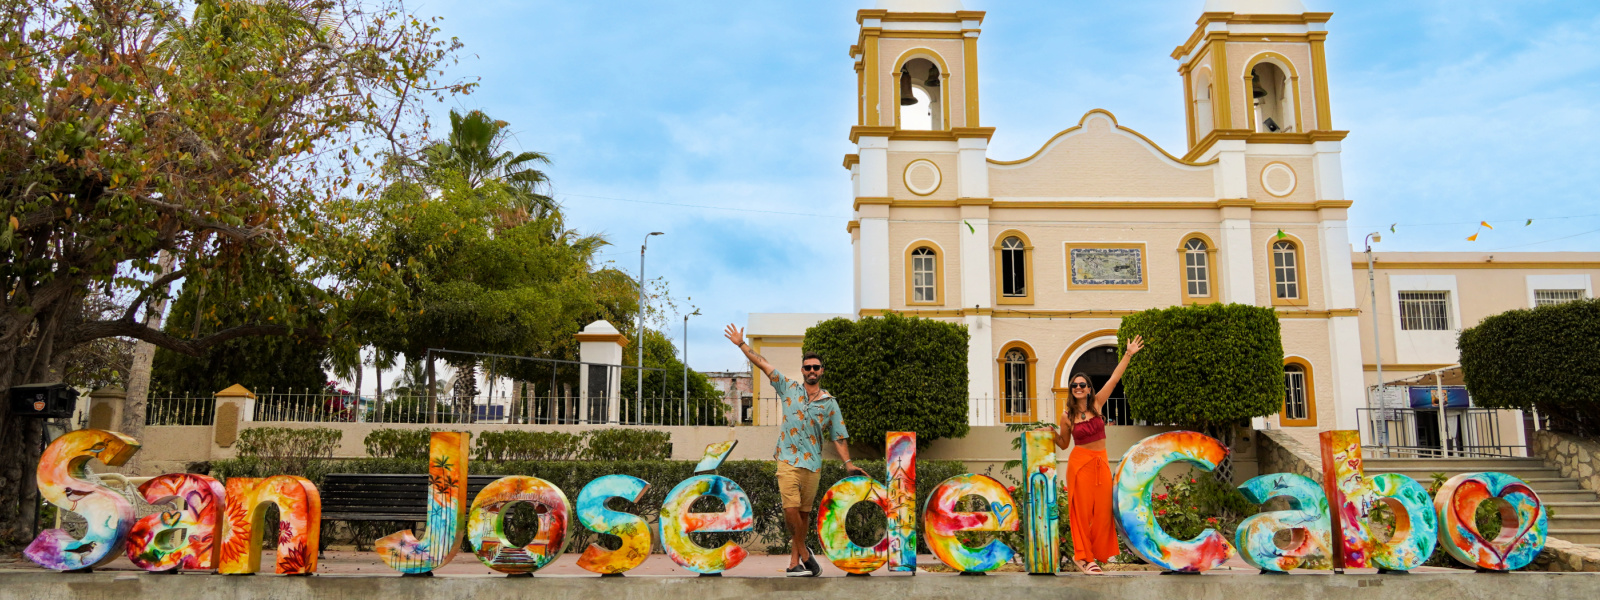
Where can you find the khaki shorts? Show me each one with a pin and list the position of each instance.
(797, 486)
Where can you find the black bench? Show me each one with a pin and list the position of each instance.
(359, 497)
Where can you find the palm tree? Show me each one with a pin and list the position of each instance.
(474, 151)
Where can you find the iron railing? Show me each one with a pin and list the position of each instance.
(1414, 433)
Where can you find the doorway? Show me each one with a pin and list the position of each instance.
(1098, 363)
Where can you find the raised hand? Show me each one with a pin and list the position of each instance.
(1135, 345)
(735, 335)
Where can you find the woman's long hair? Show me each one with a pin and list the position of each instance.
(1073, 413)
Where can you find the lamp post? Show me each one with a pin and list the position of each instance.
(1377, 344)
(696, 313)
(638, 397)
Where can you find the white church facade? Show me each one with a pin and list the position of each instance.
(1040, 256)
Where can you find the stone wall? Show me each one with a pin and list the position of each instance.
(1578, 458)
(1278, 452)
(1559, 555)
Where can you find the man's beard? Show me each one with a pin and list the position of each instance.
(812, 379)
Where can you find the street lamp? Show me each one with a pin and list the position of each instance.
(1377, 344)
(696, 313)
(638, 402)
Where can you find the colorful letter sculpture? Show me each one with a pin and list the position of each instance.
(1135, 516)
(299, 524)
(1307, 516)
(193, 523)
(64, 481)
(677, 523)
(715, 454)
(898, 547)
(1351, 495)
(942, 521)
(1044, 517)
(486, 525)
(447, 511)
(1523, 524)
(901, 463)
(836, 544)
(594, 515)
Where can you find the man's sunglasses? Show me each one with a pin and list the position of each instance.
(1079, 384)
(811, 368)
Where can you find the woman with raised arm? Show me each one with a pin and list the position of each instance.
(1082, 425)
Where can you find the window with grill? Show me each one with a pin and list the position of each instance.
(1549, 297)
(1424, 311)
(1016, 382)
(1285, 271)
(924, 273)
(1013, 268)
(1197, 273)
(1295, 406)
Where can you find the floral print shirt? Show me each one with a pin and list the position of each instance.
(806, 424)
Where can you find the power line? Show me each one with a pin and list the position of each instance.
(727, 208)
(1547, 241)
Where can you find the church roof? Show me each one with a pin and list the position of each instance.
(1256, 7)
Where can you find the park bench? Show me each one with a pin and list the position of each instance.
(379, 497)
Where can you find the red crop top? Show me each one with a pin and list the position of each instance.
(1088, 430)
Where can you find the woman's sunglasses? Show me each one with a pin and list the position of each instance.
(1079, 384)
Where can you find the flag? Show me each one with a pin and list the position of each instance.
(1281, 234)
(970, 228)
(1472, 238)
(1391, 227)
(1485, 224)
(1530, 222)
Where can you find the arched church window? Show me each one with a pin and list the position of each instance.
(1204, 114)
(1272, 101)
(1285, 270)
(920, 99)
(924, 271)
(1016, 382)
(1196, 269)
(1013, 268)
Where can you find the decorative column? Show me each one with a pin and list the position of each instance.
(600, 348)
(235, 405)
(105, 408)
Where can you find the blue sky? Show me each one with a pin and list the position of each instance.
(1459, 110)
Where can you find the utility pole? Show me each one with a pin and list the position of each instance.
(1377, 344)
(638, 397)
(686, 364)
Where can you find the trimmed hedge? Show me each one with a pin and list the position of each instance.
(1204, 366)
(758, 478)
(894, 373)
(1546, 358)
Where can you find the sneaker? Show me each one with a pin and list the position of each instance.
(811, 565)
(799, 570)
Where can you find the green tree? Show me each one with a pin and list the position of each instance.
(129, 131)
(1207, 367)
(1541, 358)
(894, 373)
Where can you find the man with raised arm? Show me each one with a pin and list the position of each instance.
(810, 415)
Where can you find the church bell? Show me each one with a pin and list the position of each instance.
(933, 76)
(906, 99)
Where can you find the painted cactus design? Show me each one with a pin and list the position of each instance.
(64, 481)
(486, 525)
(1043, 514)
(901, 464)
(1307, 515)
(1135, 515)
(299, 524)
(836, 544)
(941, 522)
(634, 531)
(677, 523)
(1524, 524)
(196, 512)
(447, 510)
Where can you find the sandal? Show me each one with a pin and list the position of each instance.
(1090, 567)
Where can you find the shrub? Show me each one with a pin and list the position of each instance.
(628, 444)
(895, 373)
(1543, 358)
(398, 443)
(526, 445)
(1207, 367)
(285, 450)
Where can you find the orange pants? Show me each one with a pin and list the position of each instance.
(1089, 505)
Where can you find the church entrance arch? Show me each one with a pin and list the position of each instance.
(1096, 356)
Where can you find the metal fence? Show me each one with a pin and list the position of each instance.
(316, 406)
(1414, 433)
(167, 408)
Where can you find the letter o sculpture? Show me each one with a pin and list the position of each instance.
(486, 526)
(836, 543)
